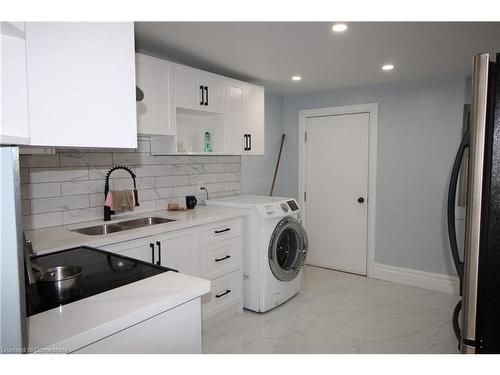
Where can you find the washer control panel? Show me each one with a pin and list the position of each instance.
(280, 208)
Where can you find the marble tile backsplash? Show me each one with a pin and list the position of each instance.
(68, 187)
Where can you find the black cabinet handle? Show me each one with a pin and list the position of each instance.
(152, 246)
(221, 259)
(249, 142)
(202, 102)
(158, 243)
(222, 230)
(361, 200)
(223, 294)
(206, 96)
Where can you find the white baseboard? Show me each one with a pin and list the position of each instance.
(428, 280)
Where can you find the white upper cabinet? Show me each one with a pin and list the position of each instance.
(14, 126)
(244, 118)
(235, 116)
(156, 112)
(81, 84)
(198, 90)
(214, 92)
(254, 128)
(188, 93)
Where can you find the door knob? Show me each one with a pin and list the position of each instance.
(361, 200)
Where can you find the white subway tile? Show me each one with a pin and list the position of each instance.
(202, 159)
(44, 205)
(39, 161)
(153, 170)
(85, 159)
(58, 174)
(214, 168)
(235, 185)
(229, 159)
(41, 190)
(42, 220)
(171, 159)
(167, 181)
(147, 195)
(202, 178)
(96, 199)
(165, 192)
(81, 215)
(99, 173)
(180, 191)
(82, 187)
(226, 177)
(232, 167)
(132, 159)
(218, 187)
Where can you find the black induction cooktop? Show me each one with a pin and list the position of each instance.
(102, 271)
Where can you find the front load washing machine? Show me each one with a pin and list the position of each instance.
(274, 249)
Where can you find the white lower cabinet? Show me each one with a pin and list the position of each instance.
(175, 331)
(179, 250)
(212, 251)
(137, 249)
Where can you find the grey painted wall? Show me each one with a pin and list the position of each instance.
(257, 171)
(419, 129)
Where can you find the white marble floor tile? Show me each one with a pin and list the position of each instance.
(337, 312)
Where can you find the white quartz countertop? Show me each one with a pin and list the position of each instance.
(75, 325)
(52, 239)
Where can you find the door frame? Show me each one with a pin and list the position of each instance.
(372, 110)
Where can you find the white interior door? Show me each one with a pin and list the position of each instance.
(336, 177)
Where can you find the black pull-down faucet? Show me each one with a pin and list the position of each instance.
(107, 210)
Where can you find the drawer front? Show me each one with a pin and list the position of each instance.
(225, 292)
(221, 258)
(220, 231)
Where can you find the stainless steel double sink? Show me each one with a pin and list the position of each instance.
(121, 226)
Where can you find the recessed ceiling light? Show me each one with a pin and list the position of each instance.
(339, 27)
(296, 78)
(387, 67)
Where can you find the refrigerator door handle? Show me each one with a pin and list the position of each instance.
(474, 200)
(452, 194)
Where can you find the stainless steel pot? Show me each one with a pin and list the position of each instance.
(59, 284)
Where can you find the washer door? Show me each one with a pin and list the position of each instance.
(287, 249)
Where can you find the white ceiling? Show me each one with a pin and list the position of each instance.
(270, 53)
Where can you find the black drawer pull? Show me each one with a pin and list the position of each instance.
(221, 259)
(222, 230)
(223, 294)
(152, 246)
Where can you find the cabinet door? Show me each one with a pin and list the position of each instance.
(14, 95)
(254, 119)
(81, 84)
(180, 251)
(138, 249)
(188, 93)
(235, 116)
(155, 113)
(214, 92)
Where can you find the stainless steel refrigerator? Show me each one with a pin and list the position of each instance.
(476, 318)
(13, 330)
